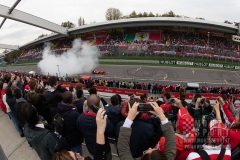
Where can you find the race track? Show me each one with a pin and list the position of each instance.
(161, 74)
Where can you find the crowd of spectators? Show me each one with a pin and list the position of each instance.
(140, 127)
(172, 43)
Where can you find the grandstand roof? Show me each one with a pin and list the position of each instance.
(147, 21)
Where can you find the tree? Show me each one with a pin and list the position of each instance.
(169, 14)
(140, 15)
(81, 21)
(113, 14)
(68, 24)
(133, 15)
(151, 14)
(145, 14)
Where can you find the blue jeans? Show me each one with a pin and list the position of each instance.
(15, 122)
(77, 149)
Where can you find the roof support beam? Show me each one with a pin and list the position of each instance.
(6, 46)
(32, 20)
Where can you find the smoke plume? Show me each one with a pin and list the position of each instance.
(81, 58)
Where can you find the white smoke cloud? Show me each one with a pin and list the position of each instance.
(82, 57)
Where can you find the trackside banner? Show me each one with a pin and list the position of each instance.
(186, 63)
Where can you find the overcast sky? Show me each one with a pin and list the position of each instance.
(57, 11)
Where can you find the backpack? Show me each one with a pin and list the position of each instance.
(57, 123)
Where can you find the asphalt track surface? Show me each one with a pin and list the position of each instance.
(160, 74)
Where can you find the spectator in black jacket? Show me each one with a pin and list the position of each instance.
(19, 106)
(54, 96)
(11, 100)
(37, 136)
(86, 123)
(99, 148)
(70, 115)
(79, 100)
(114, 110)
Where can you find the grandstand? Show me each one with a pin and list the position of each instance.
(156, 37)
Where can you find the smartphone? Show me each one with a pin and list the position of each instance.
(95, 108)
(144, 107)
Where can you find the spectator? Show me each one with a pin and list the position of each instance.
(19, 106)
(140, 130)
(114, 110)
(37, 136)
(70, 115)
(99, 153)
(54, 96)
(37, 100)
(79, 101)
(86, 123)
(185, 133)
(11, 101)
(216, 146)
(153, 154)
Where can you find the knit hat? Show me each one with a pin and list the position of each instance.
(219, 132)
(185, 123)
(27, 88)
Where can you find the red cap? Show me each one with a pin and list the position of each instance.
(27, 88)
(64, 85)
(218, 132)
(185, 123)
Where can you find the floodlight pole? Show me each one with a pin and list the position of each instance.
(58, 71)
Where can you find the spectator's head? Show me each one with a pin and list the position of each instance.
(120, 98)
(5, 85)
(18, 93)
(167, 95)
(93, 99)
(79, 93)
(153, 154)
(236, 125)
(30, 114)
(114, 100)
(143, 97)
(218, 132)
(92, 90)
(32, 84)
(78, 86)
(52, 80)
(224, 97)
(196, 96)
(67, 97)
(182, 96)
(185, 122)
(9, 92)
(67, 155)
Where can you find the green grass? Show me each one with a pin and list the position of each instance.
(170, 59)
(150, 64)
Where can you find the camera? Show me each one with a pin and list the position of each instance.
(202, 100)
(144, 107)
(172, 101)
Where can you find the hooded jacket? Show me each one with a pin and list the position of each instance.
(41, 140)
(70, 115)
(114, 114)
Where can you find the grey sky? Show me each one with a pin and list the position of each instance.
(58, 11)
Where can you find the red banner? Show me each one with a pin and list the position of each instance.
(189, 96)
